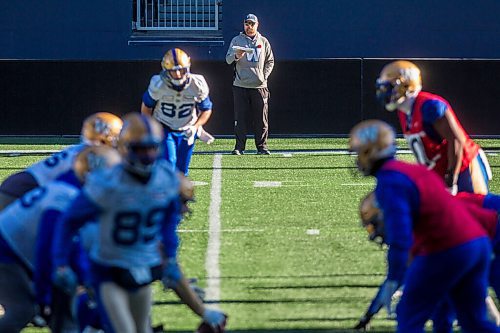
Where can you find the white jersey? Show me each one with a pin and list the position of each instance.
(131, 215)
(54, 165)
(177, 109)
(19, 222)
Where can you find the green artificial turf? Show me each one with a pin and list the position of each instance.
(275, 275)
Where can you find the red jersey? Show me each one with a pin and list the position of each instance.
(427, 145)
(487, 217)
(443, 221)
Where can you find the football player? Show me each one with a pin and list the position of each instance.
(137, 207)
(100, 128)
(372, 220)
(26, 233)
(449, 247)
(432, 130)
(179, 100)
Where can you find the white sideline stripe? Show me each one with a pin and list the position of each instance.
(198, 183)
(266, 184)
(356, 184)
(312, 232)
(214, 231)
(222, 230)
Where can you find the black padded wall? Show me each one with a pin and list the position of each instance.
(320, 96)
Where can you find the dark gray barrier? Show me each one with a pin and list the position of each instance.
(325, 96)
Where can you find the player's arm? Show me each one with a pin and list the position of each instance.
(173, 277)
(148, 104)
(398, 199)
(43, 260)
(81, 210)
(206, 112)
(449, 129)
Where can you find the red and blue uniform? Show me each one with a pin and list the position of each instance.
(448, 248)
(431, 149)
(491, 202)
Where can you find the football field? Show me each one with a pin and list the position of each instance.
(275, 240)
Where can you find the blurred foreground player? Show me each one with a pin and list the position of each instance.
(26, 233)
(136, 205)
(449, 248)
(432, 129)
(100, 128)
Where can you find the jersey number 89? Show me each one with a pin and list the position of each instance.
(131, 227)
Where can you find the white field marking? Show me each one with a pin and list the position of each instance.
(222, 230)
(357, 184)
(287, 154)
(312, 232)
(197, 183)
(214, 231)
(266, 184)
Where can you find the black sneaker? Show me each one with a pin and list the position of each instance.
(237, 152)
(263, 151)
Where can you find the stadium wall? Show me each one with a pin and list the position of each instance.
(320, 96)
(63, 60)
(297, 29)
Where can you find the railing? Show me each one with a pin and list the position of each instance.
(178, 15)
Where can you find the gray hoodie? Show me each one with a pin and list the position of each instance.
(253, 69)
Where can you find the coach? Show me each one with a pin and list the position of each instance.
(253, 60)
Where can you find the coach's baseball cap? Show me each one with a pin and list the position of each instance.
(251, 17)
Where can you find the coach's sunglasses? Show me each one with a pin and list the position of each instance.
(250, 23)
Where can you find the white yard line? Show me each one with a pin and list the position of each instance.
(214, 227)
(222, 230)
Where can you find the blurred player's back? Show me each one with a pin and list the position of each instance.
(123, 240)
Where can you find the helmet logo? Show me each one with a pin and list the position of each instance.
(101, 126)
(368, 135)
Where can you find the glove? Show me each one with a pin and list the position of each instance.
(189, 133)
(214, 318)
(205, 136)
(362, 325)
(65, 279)
(453, 189)
(389, 288)
(450, 182)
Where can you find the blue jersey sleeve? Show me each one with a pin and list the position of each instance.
(398, 198)
(170, 238)
(205, 104)
(148, 100)
(81, 210)
(43, 259)
(492, 201)
(433, 109)
(79, 262)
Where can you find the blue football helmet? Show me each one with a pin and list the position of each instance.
(139, 142)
